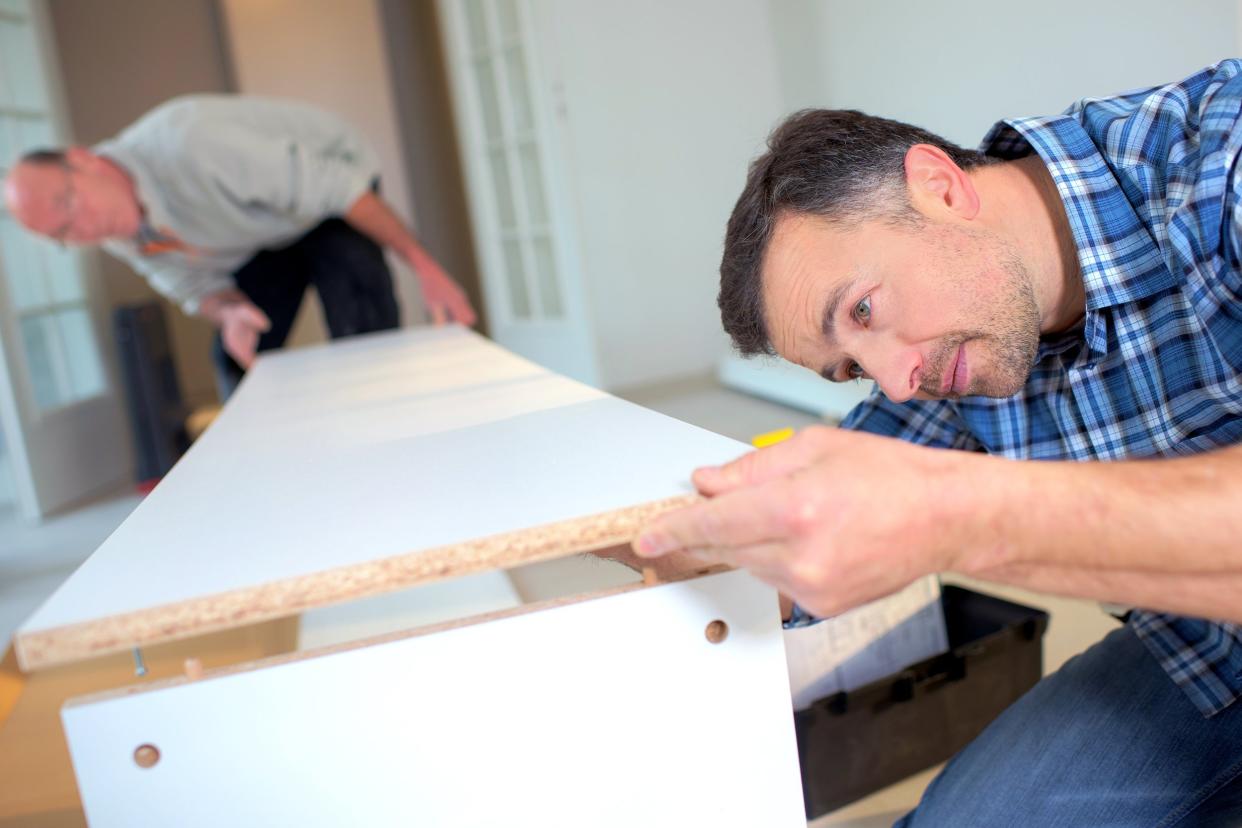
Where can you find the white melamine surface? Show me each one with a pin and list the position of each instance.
(377, 446)
(611, 712)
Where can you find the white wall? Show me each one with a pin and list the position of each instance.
(330, 53)
(665, 105)
(956, 68)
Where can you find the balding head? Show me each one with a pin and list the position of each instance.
(72, 196)
(31, 181)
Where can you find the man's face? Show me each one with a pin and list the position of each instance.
(927, 310)
(78, 203)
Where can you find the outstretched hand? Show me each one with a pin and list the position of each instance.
(444, 298)
(831, 518)
(241, 324)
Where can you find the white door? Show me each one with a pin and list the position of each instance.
(63, 427)
(496, 52)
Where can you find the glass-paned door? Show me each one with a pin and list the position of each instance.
(8, 490)
(61, 419)
(523, 233)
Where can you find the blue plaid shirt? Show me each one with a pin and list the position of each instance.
(1149, 184)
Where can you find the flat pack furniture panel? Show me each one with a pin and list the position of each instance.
(368, 465)
(614, 711)
(38, 788)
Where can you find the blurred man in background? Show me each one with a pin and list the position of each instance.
(232, 206)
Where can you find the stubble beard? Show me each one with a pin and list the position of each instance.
(1008, 340)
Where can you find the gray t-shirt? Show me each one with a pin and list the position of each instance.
(228, 176)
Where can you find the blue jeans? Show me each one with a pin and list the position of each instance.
(1107, 740)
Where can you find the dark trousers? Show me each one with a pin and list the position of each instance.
(348, 271)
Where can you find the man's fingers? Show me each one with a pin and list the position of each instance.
(766, 561)
(765, 464)
(730, 520)
(256, 318)
(463, 313)
(445, 298)
(241, 343)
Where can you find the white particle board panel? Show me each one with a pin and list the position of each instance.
(337, 471)
(615, 711)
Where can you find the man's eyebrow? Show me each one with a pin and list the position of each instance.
(829, 322)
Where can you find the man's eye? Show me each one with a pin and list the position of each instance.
(855, 371)
(862, 310)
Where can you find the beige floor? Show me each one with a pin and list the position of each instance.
(35, 559)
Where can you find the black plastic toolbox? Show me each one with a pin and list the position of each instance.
(854, 743)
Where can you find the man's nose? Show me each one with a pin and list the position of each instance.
(898, 373)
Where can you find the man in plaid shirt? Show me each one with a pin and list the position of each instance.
(1071, 293)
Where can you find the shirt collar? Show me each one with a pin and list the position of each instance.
(155, 212)
(1118, 257)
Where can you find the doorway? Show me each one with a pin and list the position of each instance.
(63, 436)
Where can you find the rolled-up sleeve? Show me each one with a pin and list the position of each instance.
(187, 287)
(183, 284)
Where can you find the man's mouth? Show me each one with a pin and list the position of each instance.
(957, 378)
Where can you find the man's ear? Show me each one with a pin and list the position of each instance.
(80, 158)
(937, 185)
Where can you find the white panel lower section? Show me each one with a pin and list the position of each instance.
(792, 385)
(611, 712)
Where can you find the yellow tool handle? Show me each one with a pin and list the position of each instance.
(771, 438)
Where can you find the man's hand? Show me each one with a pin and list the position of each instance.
(831, 518)
(240, 322)
(241, 325)
(444, 298)
(675, 566)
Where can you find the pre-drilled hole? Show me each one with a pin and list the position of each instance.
(717, 631)
(145, 756)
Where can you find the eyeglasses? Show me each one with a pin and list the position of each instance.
(68, 204)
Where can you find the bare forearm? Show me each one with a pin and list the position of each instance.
(372, 216)
(835, 518)
(1159, 533)
(444, 299)
(1200, 595)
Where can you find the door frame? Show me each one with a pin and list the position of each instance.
(566, 345)
(64, 455)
